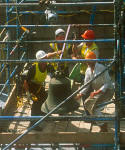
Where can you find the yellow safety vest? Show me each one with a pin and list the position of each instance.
(39, 77)
(55, 48)
(84, 52)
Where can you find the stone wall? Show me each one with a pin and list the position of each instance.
(103, 15)
(80, 15)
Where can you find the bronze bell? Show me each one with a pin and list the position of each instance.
(59, 90)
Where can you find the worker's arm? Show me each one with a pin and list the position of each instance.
(30, 74)
(50, 55)
(74, 47)
(26, 87)
(106, 85)
(78, 96)
(92, 94)
(76, 51)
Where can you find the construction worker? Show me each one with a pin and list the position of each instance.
(60, 35)
(80, 51)
(34, 82)
(98, 91)
(83, 48)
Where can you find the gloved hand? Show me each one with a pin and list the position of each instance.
(92, 94)
(34, 98)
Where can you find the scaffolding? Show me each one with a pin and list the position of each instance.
(14, 52)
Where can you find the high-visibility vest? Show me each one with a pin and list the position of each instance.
(39, 77)
(84, 52)
(55, 48)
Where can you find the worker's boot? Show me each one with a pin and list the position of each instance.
(104, 128)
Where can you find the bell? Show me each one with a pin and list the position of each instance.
(59, 90)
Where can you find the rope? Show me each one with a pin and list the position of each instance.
(65, 40)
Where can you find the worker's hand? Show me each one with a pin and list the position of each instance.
(73, 57)
(78, 96)
(59, 52)
(92, 94)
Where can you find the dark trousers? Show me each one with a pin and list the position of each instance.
(41, 94)
(85, 97)
(87, 94)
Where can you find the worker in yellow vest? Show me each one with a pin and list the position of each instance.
(81, 50)
(34, 83)
(55, 47)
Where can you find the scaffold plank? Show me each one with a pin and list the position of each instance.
(62, 137)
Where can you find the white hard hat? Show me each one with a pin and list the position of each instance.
(58, 31)
(40, 54)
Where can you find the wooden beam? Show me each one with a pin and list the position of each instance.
(62, 137)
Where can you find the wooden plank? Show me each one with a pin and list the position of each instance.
(84, 126)
(48, 127)
(8, 109)
(73, 126)
(62, 137)
(10, 105)
(60, 126)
